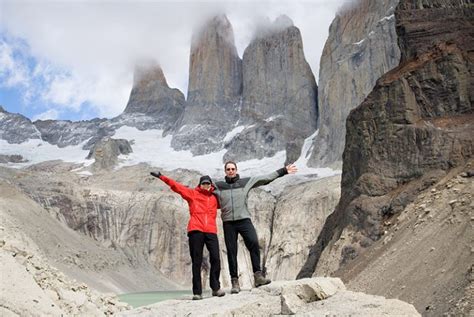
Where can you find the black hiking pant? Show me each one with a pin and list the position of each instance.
(197, 240)
(245, 228)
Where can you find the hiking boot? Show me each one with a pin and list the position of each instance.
(218, 293)
(260, 279)
(235, 285)
(197, 297)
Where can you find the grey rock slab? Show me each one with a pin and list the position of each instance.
(354, 304)
(247, 303)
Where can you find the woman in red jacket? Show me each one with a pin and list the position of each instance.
(202, 230)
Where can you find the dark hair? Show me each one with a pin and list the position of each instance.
(230, 162)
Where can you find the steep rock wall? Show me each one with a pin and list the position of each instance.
(414, 127)
(279, 94)
(361, 47)
(215, 87)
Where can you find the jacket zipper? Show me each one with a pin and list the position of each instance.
(232, 201)
(205, 217)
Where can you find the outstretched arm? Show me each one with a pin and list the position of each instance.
(179, 188)
(266, 179)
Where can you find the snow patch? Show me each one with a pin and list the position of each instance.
(273, 118)
(151, 147)
(387, 18)
(36, 151)
(235, 131)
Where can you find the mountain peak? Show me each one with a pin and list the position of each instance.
(148, 72)
(214, 66)
(267, 28)
(151, 94)
(283, 22)
(218, 26)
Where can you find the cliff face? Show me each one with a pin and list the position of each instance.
(265, 94)
(361, 47)
(412, 129)
(215, 87)
(278, 90)
(215, 69)
(142, 218)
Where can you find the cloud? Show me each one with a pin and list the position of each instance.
(12, 71)
(86, 50)
(50, 114)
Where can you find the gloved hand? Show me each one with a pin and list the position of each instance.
(156, 174)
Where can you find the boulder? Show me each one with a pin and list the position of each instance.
(106, 152)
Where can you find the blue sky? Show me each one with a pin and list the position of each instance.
(74, 59)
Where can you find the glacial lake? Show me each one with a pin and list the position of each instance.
(146, 298)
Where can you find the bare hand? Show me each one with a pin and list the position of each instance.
(291, 169)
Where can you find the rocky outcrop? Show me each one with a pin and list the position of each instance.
(151, 96)
(308, 297)
(214, 91)
(15, 158)
(106, 152)
(361, 47)
(419, 26)
(15, 128)
(65, 132)
(412, 129)
(278, 90)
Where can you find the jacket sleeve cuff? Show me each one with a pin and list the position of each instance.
(282, 171)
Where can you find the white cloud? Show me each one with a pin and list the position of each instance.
(87, 49)
(12, 71)
(51, 114)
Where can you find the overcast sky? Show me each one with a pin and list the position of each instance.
(62, 59)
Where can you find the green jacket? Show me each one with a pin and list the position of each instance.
(233, 193)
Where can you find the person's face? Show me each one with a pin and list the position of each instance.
(230, 170)
(206, 186)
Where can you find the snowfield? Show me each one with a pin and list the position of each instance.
(151, 147)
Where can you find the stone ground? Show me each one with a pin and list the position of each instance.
(306, 297)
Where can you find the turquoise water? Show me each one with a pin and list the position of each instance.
(147, 298)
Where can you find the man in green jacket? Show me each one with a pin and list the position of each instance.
(232, 194)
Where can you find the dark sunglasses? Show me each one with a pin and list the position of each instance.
(230, 169)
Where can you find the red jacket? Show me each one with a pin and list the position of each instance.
(202, 205)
